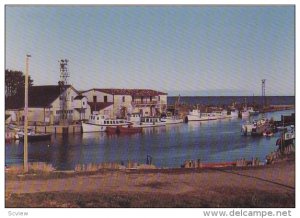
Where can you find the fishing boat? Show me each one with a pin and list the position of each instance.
(220, 114)
(150, 122)
(99, 123)
(252, 112)
(171, 119)
(138, 121)
(33, 136)
(257, 127)
(234, 113)
(245, 113)
(129, 129)
(111, 129)
(195, 115)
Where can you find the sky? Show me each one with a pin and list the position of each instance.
(186, 50)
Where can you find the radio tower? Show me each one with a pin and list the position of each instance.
(64, 74)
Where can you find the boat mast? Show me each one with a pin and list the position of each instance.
(26, 116)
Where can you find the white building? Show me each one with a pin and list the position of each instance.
(145, 101)
(45, 105)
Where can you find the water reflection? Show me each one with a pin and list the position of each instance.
(169, 146)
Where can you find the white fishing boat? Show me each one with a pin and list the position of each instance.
(150, 122)
(252, 111)
(195, 115)
(171, 119)
(98, 123)
(234, 113)
(247, 128)
(221, 114)
(254, 128)
(138, 121)
(245, 113)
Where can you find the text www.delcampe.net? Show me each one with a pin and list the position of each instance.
(248, 213)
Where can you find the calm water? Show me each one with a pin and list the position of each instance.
(227, 100)
(210, 141)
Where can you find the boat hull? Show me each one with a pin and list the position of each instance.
(203, 118)
(172, 121)
(129, 130)
(111, 129)
(37, 137)
(88, 127)
(146, 125)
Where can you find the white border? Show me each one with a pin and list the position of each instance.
(118, 212)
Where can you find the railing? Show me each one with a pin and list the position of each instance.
(153, 102)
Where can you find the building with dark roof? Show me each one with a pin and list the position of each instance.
(45, 105)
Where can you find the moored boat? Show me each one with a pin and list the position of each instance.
(111, 129)
(33, 136)
(129, 129)
(150, 122)
(257, 127)
(171, 119)
(234, 113)
(138, 121)
(99, 123)
(195, 115)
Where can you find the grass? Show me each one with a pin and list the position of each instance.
(240, 199)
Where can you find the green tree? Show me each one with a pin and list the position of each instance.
(15, 86)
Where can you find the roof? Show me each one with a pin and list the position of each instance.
(38, 97)
(132, 92)
(79, 97)
(97, 106)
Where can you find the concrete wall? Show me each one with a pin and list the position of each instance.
(121, 108)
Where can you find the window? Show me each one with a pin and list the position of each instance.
(83, 103)
(142, 99)
(94, 98)
(72, 98)
(105, 98)
(158, 98)
(150, 98)
(123, 98)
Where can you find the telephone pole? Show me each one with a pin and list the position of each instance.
(263, 92)
(26, 116)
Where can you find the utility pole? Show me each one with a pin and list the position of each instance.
(26, 116)
(263, 91)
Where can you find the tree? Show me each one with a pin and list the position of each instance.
(15, 86)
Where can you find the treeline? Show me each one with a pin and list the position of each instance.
(15, 87)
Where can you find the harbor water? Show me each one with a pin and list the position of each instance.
(170, 146)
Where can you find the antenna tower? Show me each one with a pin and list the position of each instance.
(64, 75)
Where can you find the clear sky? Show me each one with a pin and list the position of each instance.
(187, 50)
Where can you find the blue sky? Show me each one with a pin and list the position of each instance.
(199, 50)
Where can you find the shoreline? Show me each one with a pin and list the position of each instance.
(261, 186)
